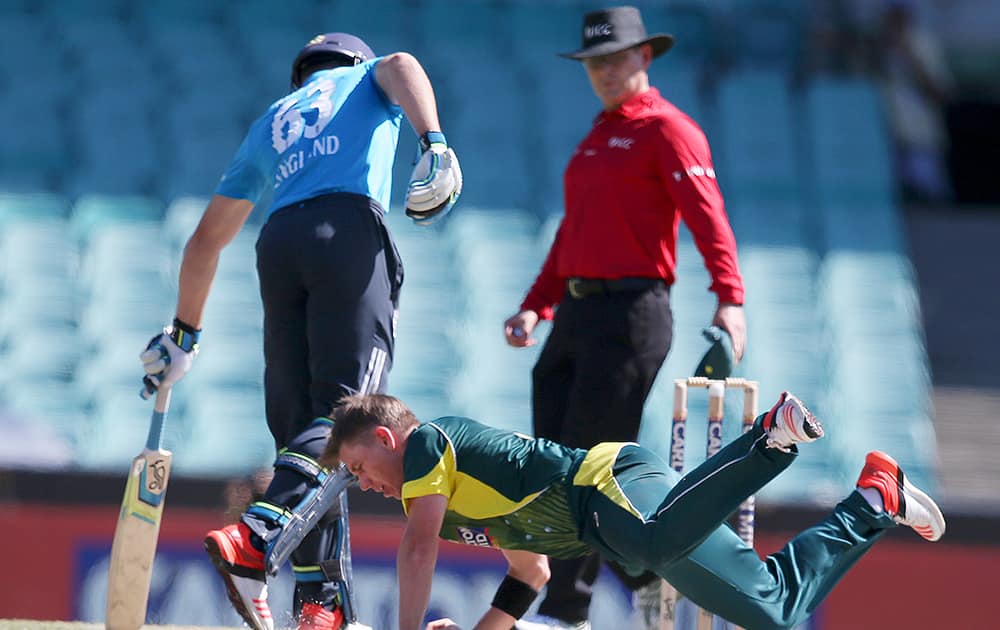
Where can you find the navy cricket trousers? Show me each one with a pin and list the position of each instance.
(330, 276)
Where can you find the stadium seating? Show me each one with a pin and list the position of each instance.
(109, 162)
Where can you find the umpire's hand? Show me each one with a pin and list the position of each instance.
(518, 328)
(730, 318)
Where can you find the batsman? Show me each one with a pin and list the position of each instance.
(330, 278)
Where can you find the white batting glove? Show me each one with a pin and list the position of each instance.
(168, 356)
(436, 181)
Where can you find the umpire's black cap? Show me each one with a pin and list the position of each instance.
(331, 44)
(614, 29)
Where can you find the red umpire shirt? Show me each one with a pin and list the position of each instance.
(641, 168)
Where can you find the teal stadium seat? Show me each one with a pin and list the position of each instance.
(226, 435)
(755, 156)
(30, 160)
(849, 155)
(49, 353)
(118, 428)
(92, 212)
(38, 266)
(765, 34)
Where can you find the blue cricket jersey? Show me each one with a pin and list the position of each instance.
(337, 133)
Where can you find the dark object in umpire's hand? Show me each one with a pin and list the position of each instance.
(718, 361)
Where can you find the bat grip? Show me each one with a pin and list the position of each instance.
(162, 402)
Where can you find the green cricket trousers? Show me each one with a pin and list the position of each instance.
(683, 536)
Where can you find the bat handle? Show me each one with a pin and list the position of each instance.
(162, 402)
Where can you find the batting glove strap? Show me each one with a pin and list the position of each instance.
(431, 138)
(185, 335)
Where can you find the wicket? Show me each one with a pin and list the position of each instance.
(716, 413)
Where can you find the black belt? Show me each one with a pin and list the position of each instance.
(582, 287)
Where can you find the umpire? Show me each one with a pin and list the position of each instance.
(643, 167)
(330, 277)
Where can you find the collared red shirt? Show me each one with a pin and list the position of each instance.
(642, 167)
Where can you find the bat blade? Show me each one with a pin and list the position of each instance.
(134, 547)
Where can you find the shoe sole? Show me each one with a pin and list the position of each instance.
(226, 571)
(912, 493)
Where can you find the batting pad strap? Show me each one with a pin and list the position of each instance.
(513, 597)
(308, 573)
(332, 570)
(302, 464)
(269, 512)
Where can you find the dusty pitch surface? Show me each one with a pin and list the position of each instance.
(30, 624)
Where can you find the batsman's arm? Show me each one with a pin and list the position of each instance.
(223, 219)
(405, 83)
(417, 557)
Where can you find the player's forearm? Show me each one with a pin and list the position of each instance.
(197, 272)
(415, 566)
(223, 219)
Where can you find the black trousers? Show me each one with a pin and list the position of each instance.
(330, 277)
(589, 385)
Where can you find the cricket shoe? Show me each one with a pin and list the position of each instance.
(242, 569)
(315, 617)
(790, 422)
(904, 502)
(543, 622)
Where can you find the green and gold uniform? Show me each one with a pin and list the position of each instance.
(512, 491)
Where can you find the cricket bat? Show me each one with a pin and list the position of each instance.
(138, 527)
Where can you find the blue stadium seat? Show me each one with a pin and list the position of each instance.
(26, 153)
(849, 156)
(226, 434)
(765, 34)
(118, 428)
(49, 353)
(756, 156)
(38, 266)
(93, 212)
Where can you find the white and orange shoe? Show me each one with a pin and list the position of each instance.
(904, 502)
(790, 422)
(242, 569)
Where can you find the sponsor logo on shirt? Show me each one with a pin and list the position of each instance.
(620, 143)
(478, 536)
(695, 171)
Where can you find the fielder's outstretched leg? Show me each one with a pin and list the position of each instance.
(727, 577)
